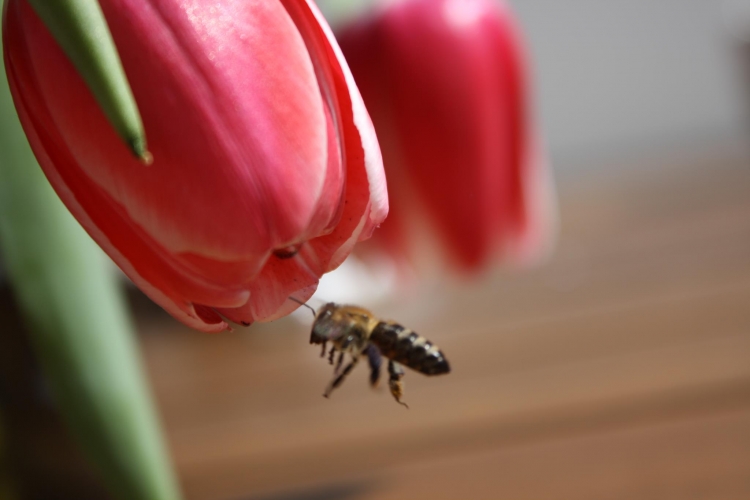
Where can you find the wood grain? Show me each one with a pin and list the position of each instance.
(620, 369)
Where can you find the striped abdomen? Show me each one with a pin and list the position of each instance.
(406, 347)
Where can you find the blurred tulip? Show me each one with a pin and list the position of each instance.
(266, 169)
(445, 82)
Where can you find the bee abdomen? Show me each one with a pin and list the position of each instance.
(406, 347)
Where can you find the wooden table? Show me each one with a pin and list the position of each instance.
(619, 370)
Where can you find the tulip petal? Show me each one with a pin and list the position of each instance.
(330, 205)
(365, 198)
(357, 125)
(455, 148)
(446, 82)
(364, 129)
(253, 153)
(156, 273)
(270, 291)
(233, 127)
(172, 303)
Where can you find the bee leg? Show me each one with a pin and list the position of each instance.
(337, 381)
(338, 364)
(323, 350)
(375, 360)
(395, 384)
(330, 356)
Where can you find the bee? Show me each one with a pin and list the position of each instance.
(356, 332)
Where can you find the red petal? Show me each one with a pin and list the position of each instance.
(365, 198)
(446, 83)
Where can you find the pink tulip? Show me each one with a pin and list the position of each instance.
(446, 84)
(266, 168)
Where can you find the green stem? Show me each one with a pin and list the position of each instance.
(79, 324)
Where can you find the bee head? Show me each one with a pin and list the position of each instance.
(326, 325)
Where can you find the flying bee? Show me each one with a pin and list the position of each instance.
(355, 332)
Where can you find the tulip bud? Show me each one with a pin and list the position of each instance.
(266, 168)
(446, 84)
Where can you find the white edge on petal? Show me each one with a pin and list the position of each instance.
(346, 248)
(373, 158)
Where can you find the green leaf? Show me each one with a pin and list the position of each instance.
(82, 32)
(80, 327)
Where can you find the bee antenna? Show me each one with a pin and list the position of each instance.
(303, 304)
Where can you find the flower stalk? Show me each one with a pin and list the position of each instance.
(79, 325)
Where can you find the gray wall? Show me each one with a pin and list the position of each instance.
(618, 75)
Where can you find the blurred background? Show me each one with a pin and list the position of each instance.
(627, 78)
(618, 369)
